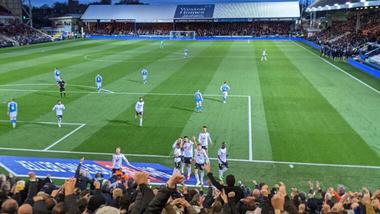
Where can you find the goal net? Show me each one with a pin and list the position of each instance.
(182, 35)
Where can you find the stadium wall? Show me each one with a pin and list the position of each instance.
(365, 68)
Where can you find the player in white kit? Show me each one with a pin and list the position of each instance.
(98, 81)
(188, 152)
(204, 138)
(201, 159)
(59, 108)
(222, 160)
(57, 75)
(162, 44)
(264, 55)
(12, 112)
(185, 53)
(177, 153)
(225, 88)
(176, 144)
(117, 160)
(139, 107)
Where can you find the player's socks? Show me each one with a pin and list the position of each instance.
(220, 174)
(202, 176)
(188, 172)
(182, 168)
(197, 177)
(141, 120)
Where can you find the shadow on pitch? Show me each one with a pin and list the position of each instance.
(182, 109)
(120, 122)
(214, 99)
(136, 81)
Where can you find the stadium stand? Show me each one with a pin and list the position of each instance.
(223, 19)
(123, 194)
(21, 34)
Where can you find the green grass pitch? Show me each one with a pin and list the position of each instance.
(303, 109)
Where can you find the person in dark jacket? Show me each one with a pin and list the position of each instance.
(82, 181)
(230, 181)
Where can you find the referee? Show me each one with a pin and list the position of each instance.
(61, 85)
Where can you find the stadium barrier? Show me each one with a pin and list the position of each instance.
(365, 68)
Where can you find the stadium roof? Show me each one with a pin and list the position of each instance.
(325, 5)
(169, 13)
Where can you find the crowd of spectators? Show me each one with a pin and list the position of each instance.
(133, 194)
(342, 39)
(201, 28)
(23, 34)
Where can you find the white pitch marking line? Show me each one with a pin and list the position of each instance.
(48, 123)
(163, 156)
(64, 137)
(338, 68)
(119, 93)
(250, 129)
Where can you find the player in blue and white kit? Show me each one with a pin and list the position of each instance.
(144, 74)
(12, 112)
(198, 101)
(162, 44)
(98, 81)
(185, 53)
(57, 75)
(225, 89)
(201, 159)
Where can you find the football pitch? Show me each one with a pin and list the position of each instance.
(293, 118)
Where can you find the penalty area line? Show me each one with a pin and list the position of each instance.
(168, 157)
(64, 137)
(120, 93)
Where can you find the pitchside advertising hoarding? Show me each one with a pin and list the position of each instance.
(65, 168)
(201, 11)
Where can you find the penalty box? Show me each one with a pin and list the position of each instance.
(32, 135)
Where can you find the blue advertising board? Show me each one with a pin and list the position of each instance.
(201, 11)
(65, 168)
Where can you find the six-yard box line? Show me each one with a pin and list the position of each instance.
(250, 153)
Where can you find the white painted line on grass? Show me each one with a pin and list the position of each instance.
(250, 129)
(119, 93)
(338, 68)
(48, 123)
(64, 137)
(168, 157)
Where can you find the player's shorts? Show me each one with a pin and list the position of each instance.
(225, 93)
(58, 79)
(145, 77)
(98, 84)
(59, 116)
(12, 115)
(61, 89)
(223, 165)
(177, 165)
(139, 113)
(187, 160)
(204, 147)
(199, 166)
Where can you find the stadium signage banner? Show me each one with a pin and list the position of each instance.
(65, 168)
(202, 11)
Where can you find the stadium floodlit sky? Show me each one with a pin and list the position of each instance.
(49, 2)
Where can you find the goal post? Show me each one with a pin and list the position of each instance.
(182, 35)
